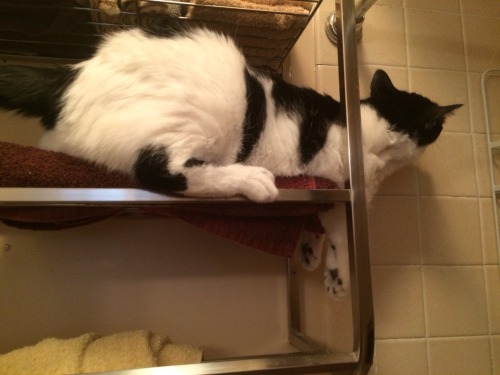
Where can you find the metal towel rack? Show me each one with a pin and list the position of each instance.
(492, 147)
(69, 30)
(312, 357)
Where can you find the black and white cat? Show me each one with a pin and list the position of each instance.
(184, 113)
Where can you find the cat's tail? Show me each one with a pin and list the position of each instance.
(34, 91)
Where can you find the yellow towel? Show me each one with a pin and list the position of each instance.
(49, 356)
(120, 351)
(178, 355)
(93, 353)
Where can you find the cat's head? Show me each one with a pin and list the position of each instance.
(409, 113)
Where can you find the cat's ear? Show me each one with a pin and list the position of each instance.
(446, 110)
(435, 115)
(381, 83)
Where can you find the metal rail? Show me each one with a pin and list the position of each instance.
(106, 197)
(78, 38)
(492, 146)
(362, 7)
(364, 335)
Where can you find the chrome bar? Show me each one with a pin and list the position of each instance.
(137, 197)
(296, 337)
(285, 364)
(294, 319)
(491, 145)
(361, 8)
(232, 8)
(304, 343)
(357, 209)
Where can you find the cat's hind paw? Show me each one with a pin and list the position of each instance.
(310, 249)
(337, 278)
(336, 286)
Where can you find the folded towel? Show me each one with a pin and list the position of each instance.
(120, 351)
(172, 355)
(50, 356)
(94, 353)
(274, 228)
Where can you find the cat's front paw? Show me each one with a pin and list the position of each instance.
(258, 185)
(310, 249)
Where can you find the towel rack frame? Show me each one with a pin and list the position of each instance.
(78, 25)
(313, 357)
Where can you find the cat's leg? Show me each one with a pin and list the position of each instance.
(336, 277)
(157, 170)
(310, 249)
(255, 183)
(51, 141)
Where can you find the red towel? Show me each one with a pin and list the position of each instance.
(274, 228)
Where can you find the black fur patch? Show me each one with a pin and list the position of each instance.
(409, 113)
(315, 112)
(334, 274)
(151, 170)
(306, 252)
(255, 116)
(35, 91)
(165, 27)
(193, 162)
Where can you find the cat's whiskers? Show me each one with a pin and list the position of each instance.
(434, 148)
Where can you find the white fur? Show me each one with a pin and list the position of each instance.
(171, 92)
(337, 252)
(277, 147)
(384, 150)
(188, 93)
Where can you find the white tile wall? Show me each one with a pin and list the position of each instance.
(411, 354)
(447, 167)
(434, 40)
(434, 257)
(398, 302)
(459, 355)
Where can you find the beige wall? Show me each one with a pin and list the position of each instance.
(435, 263)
